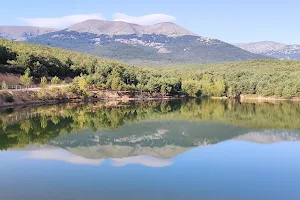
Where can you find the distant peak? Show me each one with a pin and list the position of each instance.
(165, 23)
(22, 33)
(99, 27)
(261, 47)
(28, 28)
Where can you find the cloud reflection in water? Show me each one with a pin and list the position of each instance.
(67, 157)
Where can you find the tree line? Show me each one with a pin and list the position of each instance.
(272, 78)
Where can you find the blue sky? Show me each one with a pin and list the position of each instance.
(230, 20)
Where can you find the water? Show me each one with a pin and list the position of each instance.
(197, 149)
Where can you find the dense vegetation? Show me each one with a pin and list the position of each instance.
(270, 78)
(42, 124)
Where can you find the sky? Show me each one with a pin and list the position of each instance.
(232, 21)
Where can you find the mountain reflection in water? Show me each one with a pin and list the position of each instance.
(147, 133)
(190, 149)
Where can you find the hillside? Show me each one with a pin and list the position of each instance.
(142, 45)
(267, 78)
(15, 57)
(273, 49)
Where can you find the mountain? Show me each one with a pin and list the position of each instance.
(100, 27)
(154, 150)
(261, 47)
(164, 139)
(159, 43)
(23, 33)
(157, 138)
(270, 136)
(272, 49)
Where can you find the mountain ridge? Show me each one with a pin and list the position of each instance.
(273, 49)
(260, 47)
(22, 33)
(102, 27)
(160, 43)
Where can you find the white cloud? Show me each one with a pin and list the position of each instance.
(64, 22)
(60, 22)
(142, 160)
(144, 20)
(62, 155)
(68, 157)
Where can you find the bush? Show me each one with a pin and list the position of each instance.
(43, 82)
(42, 94)
(4, 86)
(9, 99)
(79, 86)
(55, 80)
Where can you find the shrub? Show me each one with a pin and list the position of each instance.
(4, 86)
(79, 86)
(9, 99)
(43, 82)
(55, 80)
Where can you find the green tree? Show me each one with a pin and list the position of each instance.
(91, 67)
(26, 79)
(22, 60)
(219, 87)
(26, 126)
(55, 80)
(116, 83)
(43, 82)
(165, 89)
(5, 55)
(79, 86)
(191, 88)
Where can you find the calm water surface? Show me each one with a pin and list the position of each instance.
(197, 149)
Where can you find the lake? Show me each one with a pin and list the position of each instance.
(179, 149)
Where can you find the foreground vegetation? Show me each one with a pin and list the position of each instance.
(268, 78)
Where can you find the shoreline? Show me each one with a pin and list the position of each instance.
(119, 96)
(266, 99)
(52, 102)
(245, 98)
(76, 99)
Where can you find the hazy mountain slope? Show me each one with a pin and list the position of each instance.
(273, 49)
(159, 43)
(269, 137)
(22, 33)
(261, 47)
(289, 52)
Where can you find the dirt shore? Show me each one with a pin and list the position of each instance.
(247, 98)
(31, 97)
(34, 97)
